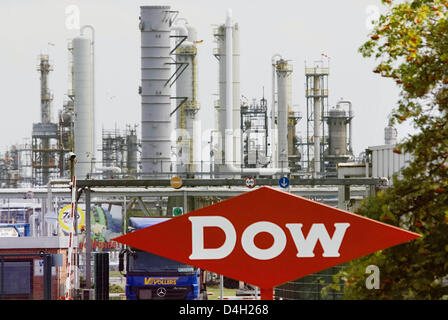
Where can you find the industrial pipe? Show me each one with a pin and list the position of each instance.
(191, 30)
(229, 89)
(317, 119)
(113, 169)
(181, 30)
(274, 135)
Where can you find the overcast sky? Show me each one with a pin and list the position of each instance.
(298, 30)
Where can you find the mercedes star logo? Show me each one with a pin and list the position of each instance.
(161, 292)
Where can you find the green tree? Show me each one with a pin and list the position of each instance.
(410, 45)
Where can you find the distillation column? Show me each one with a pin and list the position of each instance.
(188, 144)
(132, 150)
(46, 99)
(317, 120)
(84, 128)
(316, 102)
(339, 147)
(284, 71)
(155, 27)
(231, 124)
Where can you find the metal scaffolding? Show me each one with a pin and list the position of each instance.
(254, 124)
(119, 150)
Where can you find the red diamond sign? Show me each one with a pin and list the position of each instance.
(266, 237)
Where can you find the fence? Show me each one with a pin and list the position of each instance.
(310, 287)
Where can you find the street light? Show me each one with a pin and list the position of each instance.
(72, 165)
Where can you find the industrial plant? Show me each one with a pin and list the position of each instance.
(157, 167)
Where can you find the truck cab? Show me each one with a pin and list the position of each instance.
(152, 277)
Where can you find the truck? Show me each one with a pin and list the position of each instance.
(152, 277)
(14, 229)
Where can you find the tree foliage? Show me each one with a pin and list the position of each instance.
(410, 44)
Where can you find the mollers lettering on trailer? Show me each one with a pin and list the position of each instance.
(160, 281)
(275, 235)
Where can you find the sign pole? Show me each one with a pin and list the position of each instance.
(68, 264)
(221, 287)
(266, 293)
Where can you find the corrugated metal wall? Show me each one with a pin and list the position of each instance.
(385, 162)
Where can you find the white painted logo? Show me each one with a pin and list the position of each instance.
(305, 246)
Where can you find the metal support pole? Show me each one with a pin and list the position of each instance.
(221, 287)
(125, 214)
(266, 293)
(47, 276)
(2, 272)
(88, 239)
(72, 168)
(185, 202)
(75, 216)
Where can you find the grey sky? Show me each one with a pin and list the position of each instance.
(299, 30)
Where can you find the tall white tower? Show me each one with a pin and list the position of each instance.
(229, 122)
(284, 71)
(155, 27)
(84, 124)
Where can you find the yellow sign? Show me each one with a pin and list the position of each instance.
(64, 218)
(176, 182)
(160, 281)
